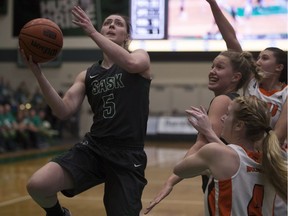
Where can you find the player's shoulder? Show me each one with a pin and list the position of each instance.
(81, 76)
(215, 149)
(140, 51)
(221, 100)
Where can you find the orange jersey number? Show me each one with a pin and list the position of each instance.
(256, 202)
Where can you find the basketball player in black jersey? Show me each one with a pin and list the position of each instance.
(117, 89)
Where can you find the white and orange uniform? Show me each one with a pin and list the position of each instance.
(247, 192)
(275, 100)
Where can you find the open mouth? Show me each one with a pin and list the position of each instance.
(110, 34)
(213, 79)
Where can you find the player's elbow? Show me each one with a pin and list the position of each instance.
(177, 170)
(61, 115)
(138, 62)
(136, 66)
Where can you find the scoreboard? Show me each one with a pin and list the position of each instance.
(148, 19)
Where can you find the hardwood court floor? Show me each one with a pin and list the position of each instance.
(185, 200)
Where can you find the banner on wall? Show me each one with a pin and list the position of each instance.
(58, 11)
(175, 125)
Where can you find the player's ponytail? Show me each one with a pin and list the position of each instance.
(274, 163)
(256, 117)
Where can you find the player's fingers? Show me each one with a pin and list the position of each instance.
(77, 14)
(77, 18)
(149, 208)
(192, 113)
(203, 109)
(80, 12)
(22, 53)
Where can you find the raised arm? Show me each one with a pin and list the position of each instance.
(281, 125)
(137, 61)
(64, 107)
(227, 31)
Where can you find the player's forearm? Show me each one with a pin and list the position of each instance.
(212, 137)
(281, 125)
(173, 180)
(227, 31)
(116, 53)
(51, 96)
(201, 141)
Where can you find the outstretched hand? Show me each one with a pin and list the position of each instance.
(82, 20)
(160, 196)
(199, 119)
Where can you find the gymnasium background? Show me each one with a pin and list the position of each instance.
(179, 78)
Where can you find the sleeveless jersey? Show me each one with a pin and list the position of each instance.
(120, 103)
(275, 99)
(245, 193)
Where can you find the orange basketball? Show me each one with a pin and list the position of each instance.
(42, 39)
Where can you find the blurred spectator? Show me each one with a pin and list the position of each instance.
(6, 92)
(22, 94)
(40, 129)
(45, 129)
(9, 128)
(3, 147)
(34, 124)
(26, 121)
(23, 135)
(37, 100)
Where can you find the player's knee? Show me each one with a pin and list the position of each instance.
(35, 186)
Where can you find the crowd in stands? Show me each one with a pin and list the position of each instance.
(26, 122)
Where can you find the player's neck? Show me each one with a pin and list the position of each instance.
(270, 85)
(106, 63)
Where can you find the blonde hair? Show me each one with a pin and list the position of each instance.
(244, 63)
(256, 117)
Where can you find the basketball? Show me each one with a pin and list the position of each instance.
(42, 39)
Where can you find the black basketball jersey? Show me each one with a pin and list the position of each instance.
(120, 103)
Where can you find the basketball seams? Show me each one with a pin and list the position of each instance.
(47, 41)
(31, 51)
(41, 24)
(42, 39)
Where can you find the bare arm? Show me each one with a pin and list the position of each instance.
(221, 160)
(61, 107)
(135, 62)
(281, 124)
(226, 29)
(217, 109)
(192, 165)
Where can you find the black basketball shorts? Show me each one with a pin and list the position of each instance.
(120, 168)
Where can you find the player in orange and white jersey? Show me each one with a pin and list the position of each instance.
(244, 179)
(270, 87)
